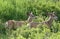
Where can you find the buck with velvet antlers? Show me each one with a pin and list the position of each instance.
(48, 22)
(11, 24)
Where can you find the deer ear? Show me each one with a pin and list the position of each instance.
(53, 12)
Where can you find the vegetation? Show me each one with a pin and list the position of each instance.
(18, 9)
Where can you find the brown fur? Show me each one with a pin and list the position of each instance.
(14, 24)
(52, 16)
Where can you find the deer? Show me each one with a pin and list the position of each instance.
(14, 24)
(48, 22)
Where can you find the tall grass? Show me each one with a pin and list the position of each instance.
(18, 9)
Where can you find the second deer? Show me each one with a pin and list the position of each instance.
(48, 22)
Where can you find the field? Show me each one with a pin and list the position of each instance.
(18, 9)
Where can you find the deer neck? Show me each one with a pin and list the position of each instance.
(49, 21)
(29, 19)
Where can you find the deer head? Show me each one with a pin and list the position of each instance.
(31, 16)
(53, 15)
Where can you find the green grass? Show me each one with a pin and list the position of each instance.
(18, 9)
(41, 32)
